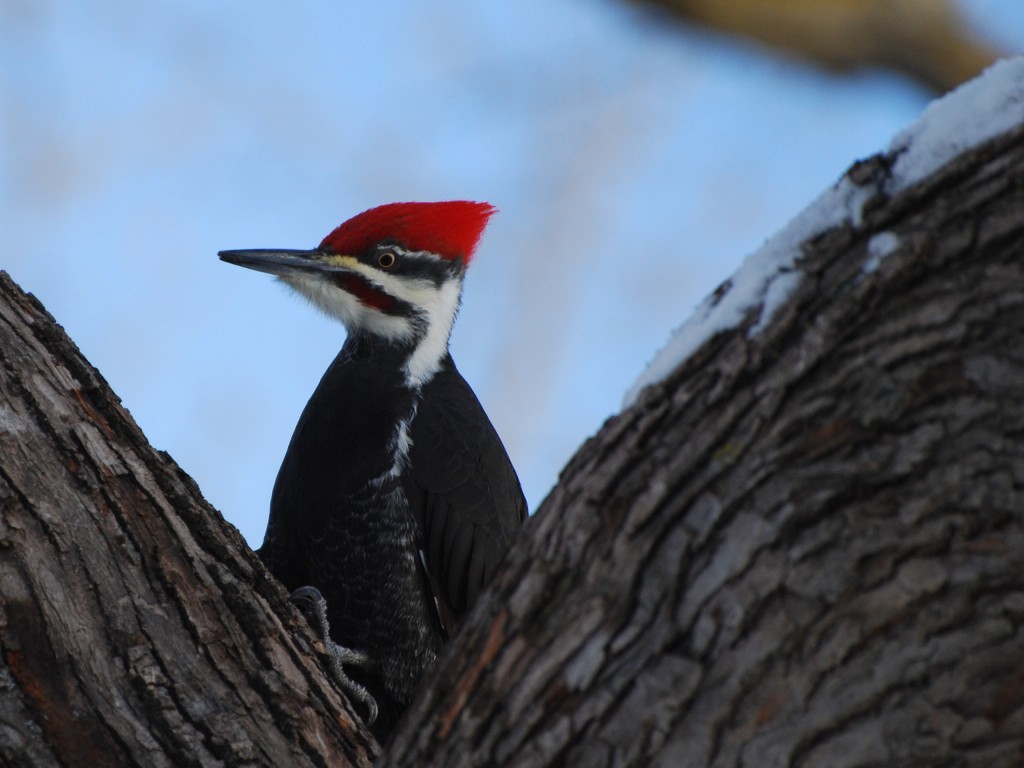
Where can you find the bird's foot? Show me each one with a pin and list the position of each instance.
(314, 608)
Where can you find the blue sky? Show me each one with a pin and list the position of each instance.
(635, 163)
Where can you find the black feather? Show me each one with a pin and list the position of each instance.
(341, 523)
(462, 489)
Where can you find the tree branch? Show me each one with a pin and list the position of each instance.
(801, 548)
(925, 39)
(136, 627)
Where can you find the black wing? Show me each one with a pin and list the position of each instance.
(462, 489)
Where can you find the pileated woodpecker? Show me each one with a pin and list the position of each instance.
(396, 498)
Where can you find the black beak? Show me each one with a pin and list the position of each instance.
(278, 261)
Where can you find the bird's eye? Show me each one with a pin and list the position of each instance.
(386, 260)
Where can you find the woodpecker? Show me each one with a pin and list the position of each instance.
(396, 498)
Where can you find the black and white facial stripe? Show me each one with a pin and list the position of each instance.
(407, 297)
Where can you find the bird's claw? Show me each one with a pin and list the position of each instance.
(314, 607)
(339, 656)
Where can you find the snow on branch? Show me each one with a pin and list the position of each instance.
(989, 105)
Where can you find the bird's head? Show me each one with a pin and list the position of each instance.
(393, 272)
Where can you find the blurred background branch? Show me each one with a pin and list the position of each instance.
(928, 40)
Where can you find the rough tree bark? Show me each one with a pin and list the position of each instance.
(802, 548)
(805, 547)
(136, 627)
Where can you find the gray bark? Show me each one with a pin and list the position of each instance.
(136, 627)
(805, 547)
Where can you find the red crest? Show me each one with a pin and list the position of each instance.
(449, 229)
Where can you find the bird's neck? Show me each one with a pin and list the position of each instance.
(418, 359)
(365, 346)
(356, 424)
(434, 315)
